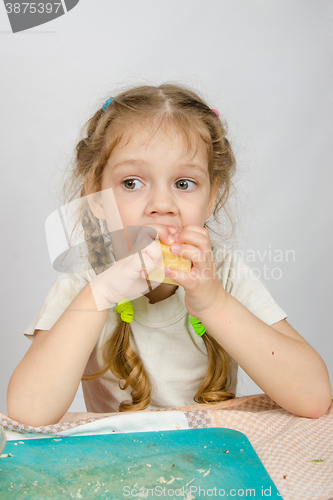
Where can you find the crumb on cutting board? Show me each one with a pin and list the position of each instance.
(204, 472)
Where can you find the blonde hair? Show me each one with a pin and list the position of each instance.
(174, 106)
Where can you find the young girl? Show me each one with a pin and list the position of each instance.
(162, 156)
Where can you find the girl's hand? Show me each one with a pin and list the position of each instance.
(127, 277)
(203, 289)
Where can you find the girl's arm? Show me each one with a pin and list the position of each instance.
(45, 382)
(276, 357)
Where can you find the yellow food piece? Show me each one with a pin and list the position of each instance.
(169, 260)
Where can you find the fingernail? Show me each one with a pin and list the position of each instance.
(171, 239)
(175, 248)
(173, 230)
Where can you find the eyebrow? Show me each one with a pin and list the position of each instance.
(141, 163)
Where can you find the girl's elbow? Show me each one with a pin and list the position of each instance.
(31, 419)
(317, 407)
(318, 398)
(320, 410)
(30, 414)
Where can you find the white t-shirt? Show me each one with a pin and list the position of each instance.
(173, 355)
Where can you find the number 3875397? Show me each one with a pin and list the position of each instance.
(32, 7)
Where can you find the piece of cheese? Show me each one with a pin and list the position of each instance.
(169, 260)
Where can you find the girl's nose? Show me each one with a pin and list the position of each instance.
(161, 201)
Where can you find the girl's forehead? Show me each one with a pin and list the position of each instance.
(149, 136)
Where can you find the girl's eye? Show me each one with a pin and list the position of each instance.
(185, 184)
(131, 183)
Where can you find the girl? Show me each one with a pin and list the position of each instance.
(163, 155)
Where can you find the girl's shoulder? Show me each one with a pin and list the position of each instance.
(233, 271)
(230, 264)
(70, 283)
(61, 293)
(245, 284)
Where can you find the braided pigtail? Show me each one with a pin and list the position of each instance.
(214, 387)
(127, 366)
(97, 248)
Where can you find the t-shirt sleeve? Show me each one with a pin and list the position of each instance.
(61, 294)
(238, 279)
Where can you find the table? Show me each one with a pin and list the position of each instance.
(296, 452)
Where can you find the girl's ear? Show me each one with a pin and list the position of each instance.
(212, 198)
(94, 199)
(95, 204)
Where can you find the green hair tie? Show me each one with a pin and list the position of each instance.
(125, 309)
(198, 326)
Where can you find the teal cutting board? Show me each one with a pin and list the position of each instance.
(186, 464)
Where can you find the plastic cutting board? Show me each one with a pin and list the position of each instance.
(186, 464)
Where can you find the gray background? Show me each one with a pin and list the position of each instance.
(266, 65)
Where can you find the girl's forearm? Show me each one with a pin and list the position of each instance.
(287, 369)
(45, 382)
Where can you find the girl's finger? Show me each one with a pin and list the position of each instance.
(148, 265)
(186, 251)
(181, 277)
(195, 238)
(164, 233)
(154, 252)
